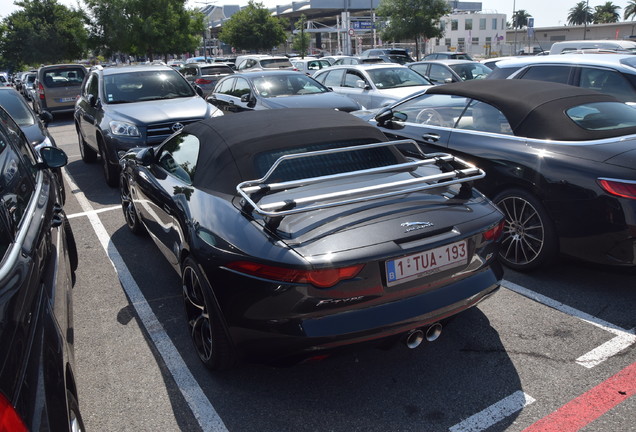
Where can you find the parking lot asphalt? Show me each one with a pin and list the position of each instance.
(552, 350)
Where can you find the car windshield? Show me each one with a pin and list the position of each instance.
(146, 85)
(287, 85)
(603, 115)
(470, 71)
(387, 78)
(17, 108)
(276, 63)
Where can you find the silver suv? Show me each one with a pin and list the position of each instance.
(256, 62)
(614, 74)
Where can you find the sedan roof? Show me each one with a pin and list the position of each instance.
(536, 109)
(228, 148)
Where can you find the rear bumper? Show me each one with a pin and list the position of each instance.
(300, 337)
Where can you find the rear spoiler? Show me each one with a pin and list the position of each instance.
(453, 171)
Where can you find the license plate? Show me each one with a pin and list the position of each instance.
(424, 263)
(68, 99)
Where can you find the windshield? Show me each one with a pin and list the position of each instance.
(145, 86)
(17, 108)
(287, 85)
(387, 78)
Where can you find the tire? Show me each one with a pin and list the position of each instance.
(128, 206)
(72, 245)
(88, 154)
(76, 424)
(111, 172)
(529, 238)
(205, 322)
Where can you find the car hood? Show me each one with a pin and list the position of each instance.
(320, 100)
(147, 112)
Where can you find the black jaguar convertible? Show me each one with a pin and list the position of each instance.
(309, 232)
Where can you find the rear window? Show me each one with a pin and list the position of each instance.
(216, 70)
(603, 116)
(64, 77)
(276, 63)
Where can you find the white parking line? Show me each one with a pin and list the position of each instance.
(201, 407)
(494, 413)
(624, 338)
(86, 213)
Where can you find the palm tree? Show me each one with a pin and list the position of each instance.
(581, 13)
(630, 10)
(520, 19)
(606, 13)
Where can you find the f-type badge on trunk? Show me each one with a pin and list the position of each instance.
(414, 226)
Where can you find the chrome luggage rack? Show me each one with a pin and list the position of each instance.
(252, 191)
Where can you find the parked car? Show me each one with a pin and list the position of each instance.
(309, 65)
(313, 234)
(131, 106)
(205, 75)
(560, 162)
(448, 55)
(251, 91)
(625, 46)
(4, 80)
(447, 71)
(253, 63)
(38, 259)
(28, 85)
(390, 55)
(32, 125)
(492, 61)
(58, 87)
(614, 74)
(373, 86)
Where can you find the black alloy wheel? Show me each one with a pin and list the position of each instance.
(529, 238)
(204, 319)
(128, 206)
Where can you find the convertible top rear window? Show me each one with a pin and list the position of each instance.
(603, 116)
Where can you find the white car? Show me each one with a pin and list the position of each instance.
(375, 85)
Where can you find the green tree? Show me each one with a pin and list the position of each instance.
(300, 42)
(630, 10)
(144, 27)
(44, 31)
(520, 19)
(412, 19)
(580, 14)
(253, 28)
(606, 13)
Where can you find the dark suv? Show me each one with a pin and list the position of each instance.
(132, 106)
(390, 55)
(38, 259)
(205, 75)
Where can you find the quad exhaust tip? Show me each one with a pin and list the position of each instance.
(415, 337)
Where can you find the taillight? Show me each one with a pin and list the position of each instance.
(321, 278)
(621, 188)
(9, 419)
(495, 232)
(41, 91)
(202, 81)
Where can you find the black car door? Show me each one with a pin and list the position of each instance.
(163, 199)
(87, 110)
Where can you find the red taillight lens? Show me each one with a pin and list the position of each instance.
(9, 419)
(621, 188)
(202, 81)
(321, 278)
(495, 232)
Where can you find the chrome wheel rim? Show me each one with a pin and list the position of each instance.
(197, 314)
(523, 234)
(127, 205)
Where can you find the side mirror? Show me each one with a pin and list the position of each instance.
(145, 156)
(92, 100)
(53, 157)
(387, 116)
(199, 90)
(248, 99)
(361, 84)
(46, 117)
(448, 80)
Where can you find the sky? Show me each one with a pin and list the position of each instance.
(546, 13)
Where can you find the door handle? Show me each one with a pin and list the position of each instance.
(431, 137)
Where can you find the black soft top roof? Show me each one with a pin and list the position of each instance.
(230, 144)
(535, 109)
